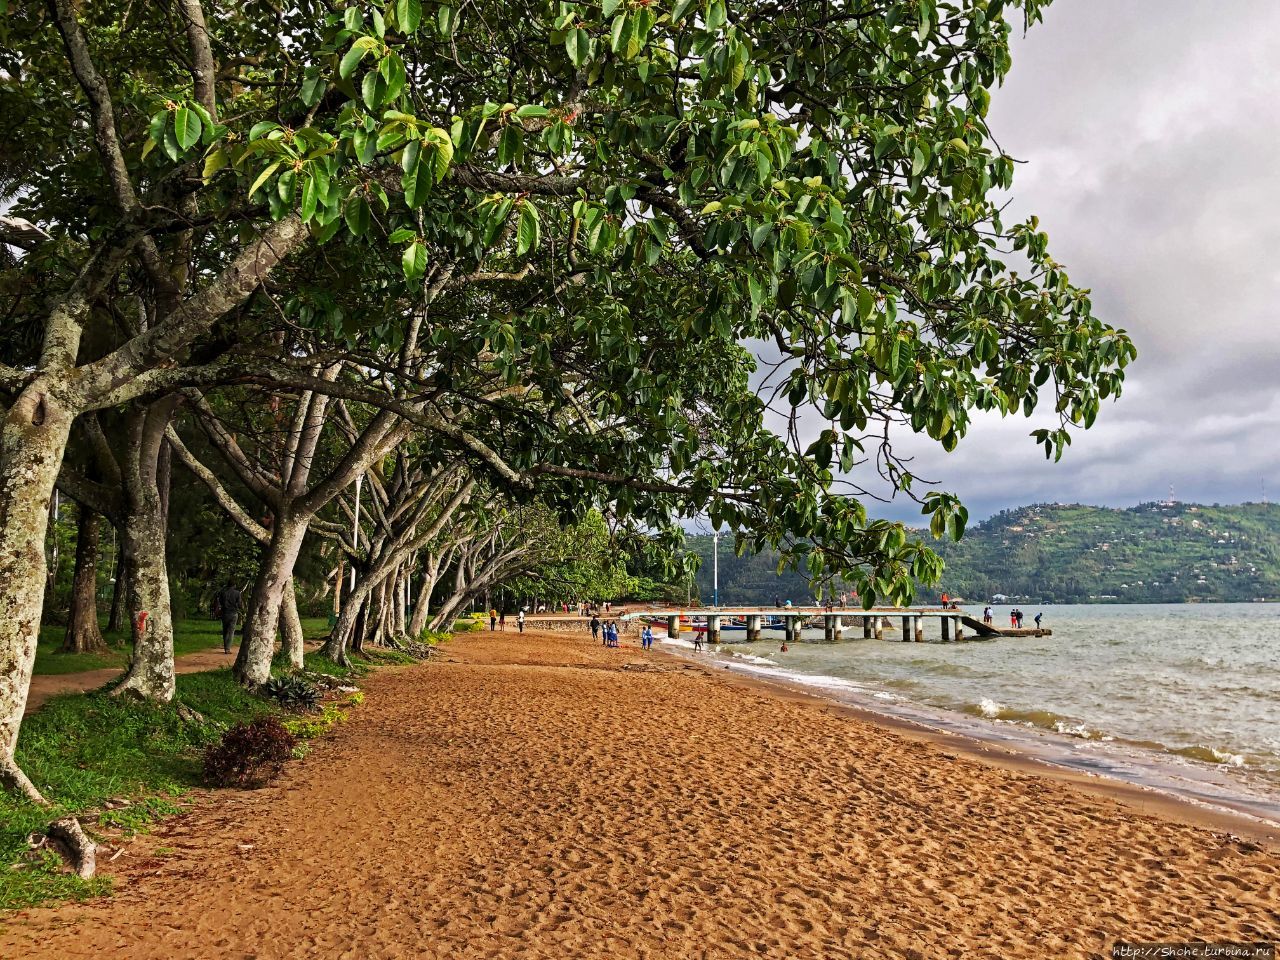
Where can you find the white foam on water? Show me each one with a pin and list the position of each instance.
(749, 658)
(989, 708)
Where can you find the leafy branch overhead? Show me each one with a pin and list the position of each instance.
(584, 211)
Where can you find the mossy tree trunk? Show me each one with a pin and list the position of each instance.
(33, 439)
(84, 635)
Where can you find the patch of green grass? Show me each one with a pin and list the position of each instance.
(85, 749)
(189, 636)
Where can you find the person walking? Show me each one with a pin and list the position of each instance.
(595, 629)
(226, 607)
(502, 621)
(697, 643)
(493, 620)
(520, 620)
(1039, 616)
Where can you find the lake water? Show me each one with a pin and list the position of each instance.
(1183, 697)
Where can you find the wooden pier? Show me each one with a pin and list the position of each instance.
(839, 623)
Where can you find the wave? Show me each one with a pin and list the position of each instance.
(1044, 719)
(1208, 755)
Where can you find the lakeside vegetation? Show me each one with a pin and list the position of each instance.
(1158, 552)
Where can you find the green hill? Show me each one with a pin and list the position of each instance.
(1160, 552)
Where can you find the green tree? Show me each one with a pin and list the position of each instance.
(594, 206)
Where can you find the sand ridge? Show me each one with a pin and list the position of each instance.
(529, 797)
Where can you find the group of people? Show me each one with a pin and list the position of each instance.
(1015, 618)
(605, 630)
(498, 621)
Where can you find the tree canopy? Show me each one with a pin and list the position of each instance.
(588, 254)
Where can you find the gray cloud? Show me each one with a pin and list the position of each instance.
(1149, 130)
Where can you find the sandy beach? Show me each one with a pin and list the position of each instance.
(538, 796)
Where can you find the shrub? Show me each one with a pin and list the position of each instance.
(249, 754)
(293, 693)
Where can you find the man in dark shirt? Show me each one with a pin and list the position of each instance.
(226, 604)
(595, 628)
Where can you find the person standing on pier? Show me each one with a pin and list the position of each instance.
(986, 615)
(1038, 617)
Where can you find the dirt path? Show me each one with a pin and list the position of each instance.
(43, 687)
(540, 797)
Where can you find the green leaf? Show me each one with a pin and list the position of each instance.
(529, 230)
(716, 16)
(401, 235)
(262, 128)
(509, 144)
(310, 198)
(681, 9)
(617, 36)
(414, 261)
(357, 216)
(577, 43)
(391, 69)
(442, 156)
(215, 161)
(263, 177)
(415, 185)
(313, 87)
(607, 7)
(352, 58)
(532, 110)
(408, 15)
(372, 89)
(158, 123)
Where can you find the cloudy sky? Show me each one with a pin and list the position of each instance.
(1150, 131)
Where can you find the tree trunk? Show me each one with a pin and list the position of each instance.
(151, 673)
(83, 632)
(253, 663)
(291, 627)
(32, 443)
(119, 591)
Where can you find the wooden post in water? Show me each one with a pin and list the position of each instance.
(753, 629)
(946, 629)
(839, 628)
(828, 628)
(713, 629)
(919, 629)
(906, 629)
(673, 627)
(959, 629)
(866, 628)
(879, 628)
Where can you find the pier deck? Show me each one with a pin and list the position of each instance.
(835, 621)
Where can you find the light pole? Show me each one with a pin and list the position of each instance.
(715, 568)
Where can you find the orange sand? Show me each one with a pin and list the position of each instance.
(532, 798)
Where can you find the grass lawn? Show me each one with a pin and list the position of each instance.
(188, 637)
(82, 750)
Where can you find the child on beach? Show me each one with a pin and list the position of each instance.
(697, 643)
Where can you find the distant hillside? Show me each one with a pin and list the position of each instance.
(1151, 553)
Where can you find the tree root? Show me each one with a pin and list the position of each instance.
(70, 840)
(12, 778)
